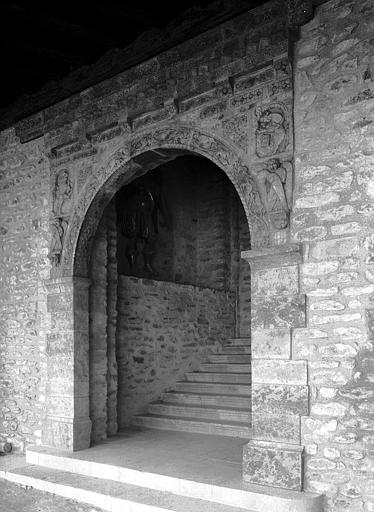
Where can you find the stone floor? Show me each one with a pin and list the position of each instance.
(16, 498)
(199, 457)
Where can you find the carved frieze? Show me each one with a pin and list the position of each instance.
(242, 83)
(236, 129)
(247, 99)
(221, 90)
(272, 130)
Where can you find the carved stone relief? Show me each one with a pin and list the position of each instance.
(62, 194)
(275, 186)
(62, 202)
(272, 130)
(121, 168)
(58, 231)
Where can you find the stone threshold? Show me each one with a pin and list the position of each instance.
(215, 481)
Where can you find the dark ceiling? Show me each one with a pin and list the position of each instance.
(44, 41)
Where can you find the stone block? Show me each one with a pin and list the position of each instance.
(279, 372)
(278, 312)
(275, 281)
(280, 399)
(67, 434)
(277, 427)
(273, 464)
(271, 343)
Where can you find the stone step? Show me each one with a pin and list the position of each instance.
(240, 402)
(210, 413)
(236, 349)
(109, 495)
(235, 342)
(222, 378)
(226, 368)
(193, 425)
(213, 388)
(230, 358)
(247, 496)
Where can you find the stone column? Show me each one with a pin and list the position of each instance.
(98, 334)
(112, 285)
(274, 454)
(67, 424)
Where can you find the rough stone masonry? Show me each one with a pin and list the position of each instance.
(290, 120)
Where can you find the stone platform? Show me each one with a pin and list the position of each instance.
(147, 470)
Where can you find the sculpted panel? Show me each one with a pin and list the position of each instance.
(62, 202)
(272, 130)
(275, 186)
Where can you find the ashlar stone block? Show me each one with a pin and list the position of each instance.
(279, 372)
(275, 281)
(274, 464)
(271, 343)
(280, 399)
(274, 312)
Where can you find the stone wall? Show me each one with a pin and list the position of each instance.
(164, 329)
(333, 217)
(24, 239)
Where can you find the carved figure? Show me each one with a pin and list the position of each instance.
(272, 131)
(62, 192)
(140, 222)
(275, 189)
(58, 229)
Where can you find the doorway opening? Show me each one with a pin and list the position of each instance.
(168, 290)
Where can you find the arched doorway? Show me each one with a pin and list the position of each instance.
(168, 289)
(67, 424)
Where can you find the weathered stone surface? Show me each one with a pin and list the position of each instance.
(271, 343)
(276, 312)
(275, 281)
(280, 398)
(272, 464)
(279, 372)
(280, 427)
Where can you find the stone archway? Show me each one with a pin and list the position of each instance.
(122, 166)
(67, 423)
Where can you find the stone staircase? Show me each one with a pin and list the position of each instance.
(216, 399)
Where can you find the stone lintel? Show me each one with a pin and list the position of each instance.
(272, 257)
(274, 464)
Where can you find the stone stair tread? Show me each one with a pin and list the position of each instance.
(215, 387)
(215, 413)
(218, 377)
(192, 393)
(111, 495)
(181, 398)
(193, 425)
(199, 420)
(212, 407)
